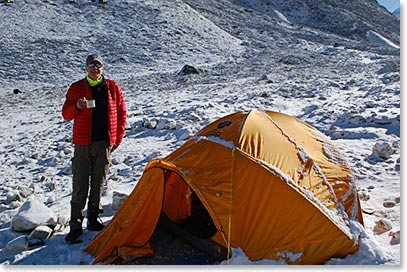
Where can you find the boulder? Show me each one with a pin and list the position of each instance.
(118, 200)
(41, 233)
(382, 150)
(188, 70)
(382, 226)
(32, 214)
(17, 244)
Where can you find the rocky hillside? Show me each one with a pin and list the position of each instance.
(351, 19)
(397, 13)
(139, 32)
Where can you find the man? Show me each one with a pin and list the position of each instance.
(97, 106)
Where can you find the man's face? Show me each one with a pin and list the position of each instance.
(95, 70)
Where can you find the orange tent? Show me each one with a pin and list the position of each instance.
(273, 186)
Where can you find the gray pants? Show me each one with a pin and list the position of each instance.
(90, 161)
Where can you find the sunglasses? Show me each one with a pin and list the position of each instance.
(97, 64)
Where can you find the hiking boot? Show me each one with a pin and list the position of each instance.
(75, 231)
(73, 235)
(94, 224)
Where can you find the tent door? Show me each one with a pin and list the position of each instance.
(185, 215)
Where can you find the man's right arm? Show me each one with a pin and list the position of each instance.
(69, 109)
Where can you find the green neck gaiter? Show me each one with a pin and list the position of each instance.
(94, 82)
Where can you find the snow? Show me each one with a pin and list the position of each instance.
(378, 39)
(350, 92)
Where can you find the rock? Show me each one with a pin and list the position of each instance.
(170, 124)
(106, 189)
(14, 205)
(32, 214)
(51, 199)
(35, 188)
(188, 70)
(292, 60)
(383, 122)
(53, 161)
(67, 170)
(395, 240)
(35, 242)
(67, 150)
(390, 67)
(43, 179)
(51, 186)
(118, 200)
(24, 191)
(118, 159)
(25, 161)
(184, 134)
(161, 124)
(13, 196)
(59, 227)
(382, 226)
(194, 117)
(364, 196)
(150, 124)
(382, 150)
(311, 108)
(41, 233)
(368, 210)
(389, 203)
(337, 135)
(128, 125)
(17, 244)
(63, 220)
(4, 218)
(264, 77)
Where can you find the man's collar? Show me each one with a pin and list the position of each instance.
(94, 82)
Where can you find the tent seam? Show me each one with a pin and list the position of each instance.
(230, 203)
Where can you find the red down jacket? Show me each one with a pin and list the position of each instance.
(83, 118)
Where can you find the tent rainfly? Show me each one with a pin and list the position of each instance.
(268, 183)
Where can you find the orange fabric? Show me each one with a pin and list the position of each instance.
(288, 221)
(327, 157)
(177, 197)
(139, 212)
(274, 186)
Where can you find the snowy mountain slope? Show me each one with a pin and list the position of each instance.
(349, 19)
(396, 13)
(140, 38)
(249, 57)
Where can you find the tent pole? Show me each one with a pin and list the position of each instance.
(230, 205)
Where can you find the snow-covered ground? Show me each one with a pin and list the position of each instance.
(350, 93)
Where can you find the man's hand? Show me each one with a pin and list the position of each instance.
(113, 148)
(81, 103)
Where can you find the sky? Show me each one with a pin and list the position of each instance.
(391, 5)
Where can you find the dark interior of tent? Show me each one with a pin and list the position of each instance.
(185, 209)
(199, 223)
(184, 230)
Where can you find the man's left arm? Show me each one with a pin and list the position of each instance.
(121, 117)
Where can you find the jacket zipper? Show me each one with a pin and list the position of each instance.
(90, 114)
